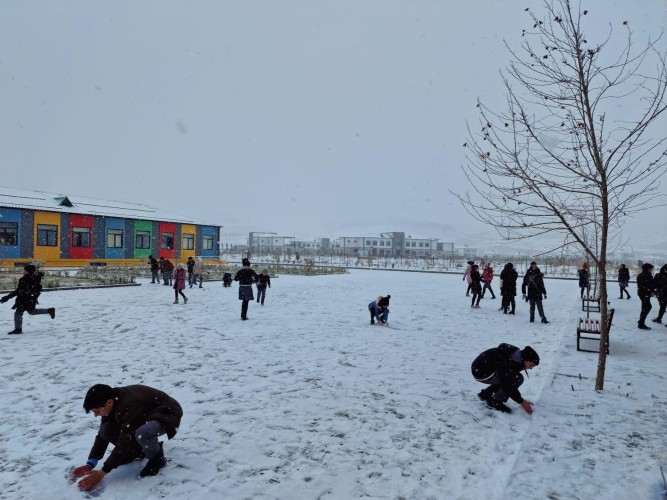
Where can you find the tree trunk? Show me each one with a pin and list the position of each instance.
(604, 310)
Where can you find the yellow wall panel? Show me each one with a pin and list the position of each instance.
(187, 229)
(49, 253)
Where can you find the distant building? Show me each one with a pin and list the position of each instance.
(466, 251)
(390, 244)
(261, 243)
(64, 230)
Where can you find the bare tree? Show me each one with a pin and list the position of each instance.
(564, 157)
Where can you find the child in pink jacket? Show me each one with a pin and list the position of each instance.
(179, 283)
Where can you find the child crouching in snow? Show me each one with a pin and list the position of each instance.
(179, 283)
(379, 310)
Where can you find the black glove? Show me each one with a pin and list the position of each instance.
(4, 299)
(545, 296)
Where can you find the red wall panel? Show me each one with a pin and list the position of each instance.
(168, 253)
(81, 221)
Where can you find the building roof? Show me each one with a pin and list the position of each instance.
(73, 204)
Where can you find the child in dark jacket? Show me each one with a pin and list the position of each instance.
(26, 293)
(475, 286)
(508, 278)
(624, 280)
(660, 285)
(264, 280)
(246, 276)
(584, 279)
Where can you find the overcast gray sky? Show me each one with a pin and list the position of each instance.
(307, 118)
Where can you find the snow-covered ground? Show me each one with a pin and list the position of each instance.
(306, 400)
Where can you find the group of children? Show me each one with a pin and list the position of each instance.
(648, 286)
(30, 287)
(195, 273)
(475, 280)
(532, 288)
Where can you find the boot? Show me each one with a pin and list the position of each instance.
(154, 464)
(15, 331)
(52, 312)
(544, 320)
(642, 326)
(185, 300)
(485, 395)
(532, 320)
(176, 301)
(657, 320)
(498, 405)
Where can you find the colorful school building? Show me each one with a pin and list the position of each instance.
(70, 231)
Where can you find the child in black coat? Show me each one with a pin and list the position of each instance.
(26, 293)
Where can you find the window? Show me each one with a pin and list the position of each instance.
(47, 235)
(427, 244)
(114, 238)
(421, 244)
(8, 233)
(81, 237)
(167, 241)
(207, 243)
(188, 242)
(142, 239)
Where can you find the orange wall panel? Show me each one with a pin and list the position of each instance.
(188, 229)
(47, 252)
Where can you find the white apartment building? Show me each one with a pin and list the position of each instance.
(392, 244)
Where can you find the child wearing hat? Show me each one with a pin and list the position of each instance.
(500, 368)
(379, 310)
(26, 293)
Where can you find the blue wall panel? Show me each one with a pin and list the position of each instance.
(11, 215)
(113, 223)
(210, 231)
